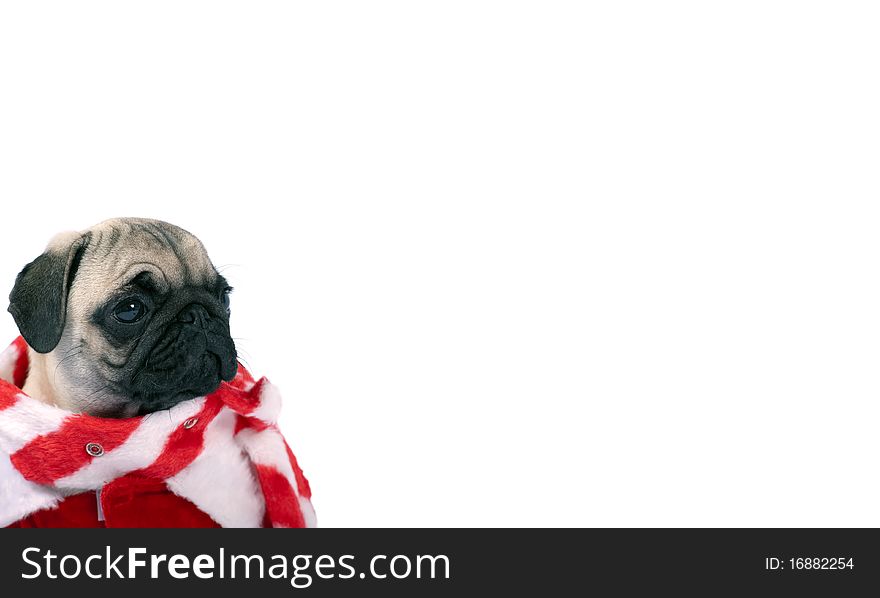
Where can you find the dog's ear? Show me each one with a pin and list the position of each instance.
(38, 301)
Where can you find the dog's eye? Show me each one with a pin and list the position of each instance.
(224, 298)
(129, 311)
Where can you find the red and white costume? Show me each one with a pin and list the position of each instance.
(215, 461)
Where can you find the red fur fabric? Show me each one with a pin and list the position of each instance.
(128, 502)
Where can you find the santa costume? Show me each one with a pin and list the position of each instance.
(215, 461)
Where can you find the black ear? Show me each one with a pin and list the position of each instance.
(38, 301)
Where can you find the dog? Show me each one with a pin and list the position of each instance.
(124, 319)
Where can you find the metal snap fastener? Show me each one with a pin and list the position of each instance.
(190, 422)
(94, 449)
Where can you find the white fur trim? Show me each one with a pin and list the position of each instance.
(8, 359)
(220, 481)
(267, 448)
(25, 420)
(19, 497)
(270, 404)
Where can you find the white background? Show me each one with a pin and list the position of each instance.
(511, 263)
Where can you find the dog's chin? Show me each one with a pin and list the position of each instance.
(157, 392)
(185, 390)
(115, 410)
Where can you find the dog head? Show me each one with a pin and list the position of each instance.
(131, 315)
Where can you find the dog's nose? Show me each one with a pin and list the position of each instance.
(194, 314)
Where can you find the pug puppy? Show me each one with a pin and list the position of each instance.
(126, 318)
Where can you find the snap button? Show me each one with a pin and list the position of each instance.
(94, 449)
(190, 422)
